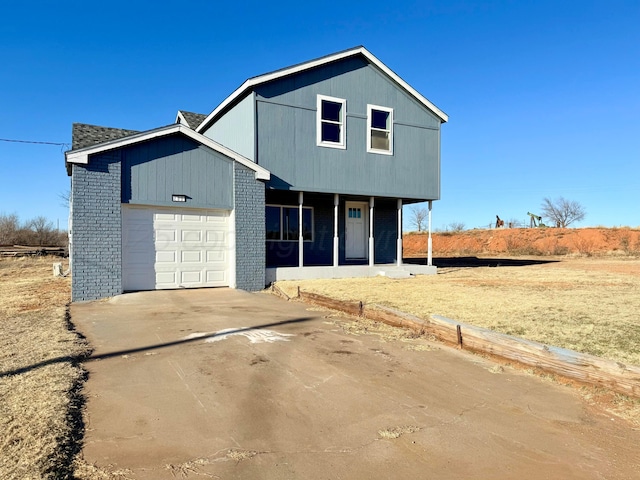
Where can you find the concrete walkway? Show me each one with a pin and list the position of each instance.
(228, 384)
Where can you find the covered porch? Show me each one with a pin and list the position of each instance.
(319, 235)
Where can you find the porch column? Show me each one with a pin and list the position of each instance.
(336, 243)
(399, 242)
(300, 235)
(371, 243)
(429, 259)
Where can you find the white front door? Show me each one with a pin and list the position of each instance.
(174, 248)
(356, 224)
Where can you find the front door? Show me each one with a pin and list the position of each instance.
(356, 230)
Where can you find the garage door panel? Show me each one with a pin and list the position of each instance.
(174, 248)
(167, 256)
(165, 235)
(219, 219)
(191, 277)
(139, 235)
(215, 276)
(192, 236)
(192, 218)
(167, 279)
(193, 256)
(137, 257)
(167, 217)
(215, 256)
(215, 237)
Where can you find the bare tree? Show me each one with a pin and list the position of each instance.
(43, 231)
(562, 212)
(9, 228)
(457, 226)
(36, 232)
(65, 198)
(418, 217)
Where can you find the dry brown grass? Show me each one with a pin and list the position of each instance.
(39, 377)
(586, 304)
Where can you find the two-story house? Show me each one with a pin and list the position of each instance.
(299, 173)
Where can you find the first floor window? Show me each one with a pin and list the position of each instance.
(330, 122)
(379, 130)
(282, 222)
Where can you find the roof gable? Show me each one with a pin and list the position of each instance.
(190, 119)
(81, 156)
(251, 83)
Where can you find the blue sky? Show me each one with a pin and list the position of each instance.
(543, 97)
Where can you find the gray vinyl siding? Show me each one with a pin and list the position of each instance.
(153, 171)
(236, 129)
(96, 228)
(286, 121)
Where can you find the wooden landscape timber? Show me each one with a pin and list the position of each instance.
(26, 251)
(580, 367)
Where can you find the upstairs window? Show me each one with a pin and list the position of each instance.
(330, 122)
(379, 130)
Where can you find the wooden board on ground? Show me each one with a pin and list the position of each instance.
(581, 367)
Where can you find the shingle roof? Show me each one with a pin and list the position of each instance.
(192, 119)
(83, 135)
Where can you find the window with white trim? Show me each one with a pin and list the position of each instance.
(330, 122)
(282, 222)
(379, 130)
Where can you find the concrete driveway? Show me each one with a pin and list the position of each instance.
(226, 384)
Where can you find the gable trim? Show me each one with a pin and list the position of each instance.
(81, 156)
(180, 119)
(253, 82)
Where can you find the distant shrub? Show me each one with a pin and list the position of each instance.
(529, 250)
(627, 248)
(35, 232)
(512, 244)
(560, 250)
(457, 226)
(518, 246)
(584, 245)
(624, 244)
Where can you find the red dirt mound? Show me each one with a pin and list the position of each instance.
(527, 241)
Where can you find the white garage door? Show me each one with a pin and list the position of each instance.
(166, 248)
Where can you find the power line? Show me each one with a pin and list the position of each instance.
(32, 141)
